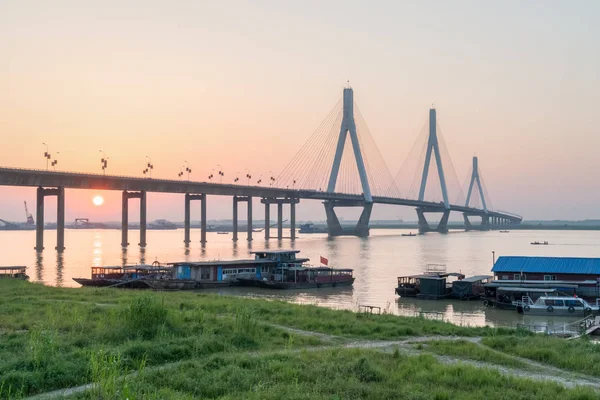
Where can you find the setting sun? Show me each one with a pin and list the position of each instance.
(98, 200)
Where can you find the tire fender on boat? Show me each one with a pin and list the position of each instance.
(486, 303)
(571, 309)
(550, 309)
(526, 308)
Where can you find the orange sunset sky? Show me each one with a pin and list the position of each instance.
(243, 84)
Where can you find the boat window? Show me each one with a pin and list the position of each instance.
(555, 303)
(574, 303)
(505, 277)
(549, 277)
(520, 277)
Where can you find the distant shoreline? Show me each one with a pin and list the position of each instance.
(228, 227)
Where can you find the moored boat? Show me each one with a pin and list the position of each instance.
(432, 285)
(102, 277)
(557, 305)
(15, 272)
(409, 234)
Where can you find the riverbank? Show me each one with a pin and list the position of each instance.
(103, 343)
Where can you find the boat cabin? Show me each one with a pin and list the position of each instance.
(299, 274)
(148, 271)
(17, 272)
(471, 287)
(107, 272)
(427, 286)
(265, 263)
(557, 272)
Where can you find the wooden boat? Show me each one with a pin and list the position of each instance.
(504, 231)
(409, 234)
(557, 305)
(536, 243)
(306, 278)
(431, 285)
(102, 277)
(15, 272)
(222, 233)
(153, 276)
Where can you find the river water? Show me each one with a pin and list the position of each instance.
(376, 261)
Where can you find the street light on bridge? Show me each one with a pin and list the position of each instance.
(248, 176)
(237, 178)
(104, 162)
(54, 162)
(188, 169)
(46, 155)
(221, 173)
(271, 178)
(149, 167)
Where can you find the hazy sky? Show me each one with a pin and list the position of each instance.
(244, 85)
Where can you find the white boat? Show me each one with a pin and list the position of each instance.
(557, 305)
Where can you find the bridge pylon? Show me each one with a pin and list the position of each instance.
(476, 180)
(433, 148)
(348, 127)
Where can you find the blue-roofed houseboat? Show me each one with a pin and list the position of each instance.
(570, 275)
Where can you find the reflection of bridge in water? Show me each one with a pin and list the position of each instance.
(321, 163)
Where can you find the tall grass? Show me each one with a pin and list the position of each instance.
(146, 316)
(575, 355)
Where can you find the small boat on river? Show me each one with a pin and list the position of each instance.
(557, 305)
(536, 243)
(409, 234)
(15, 272)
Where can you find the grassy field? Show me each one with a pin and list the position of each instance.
(186, 344)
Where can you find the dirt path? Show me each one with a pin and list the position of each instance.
(537, 371)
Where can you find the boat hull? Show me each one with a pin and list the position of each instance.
(96, 282)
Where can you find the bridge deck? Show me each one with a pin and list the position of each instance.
(75, 180)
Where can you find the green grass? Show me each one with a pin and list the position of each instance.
(190, 345)
(574, 355)
(471, 351)
(47, 344)
(337, 374)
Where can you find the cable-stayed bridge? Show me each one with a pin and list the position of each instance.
(340, 165)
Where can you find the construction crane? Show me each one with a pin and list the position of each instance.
(29, 217)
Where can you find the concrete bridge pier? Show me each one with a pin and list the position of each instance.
(485, 225)
(249, 219)
(424, 225)
(267, 221)
(203, 218)
(187, 219)
(236, 200)
(334, 228)
(60, 217)
(142, 242)
(235, 219)
(279, 221)
(125, 216)
(292, 201)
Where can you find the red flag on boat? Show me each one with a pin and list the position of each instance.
(324, 261)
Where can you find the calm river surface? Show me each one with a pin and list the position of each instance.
(376, 261)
